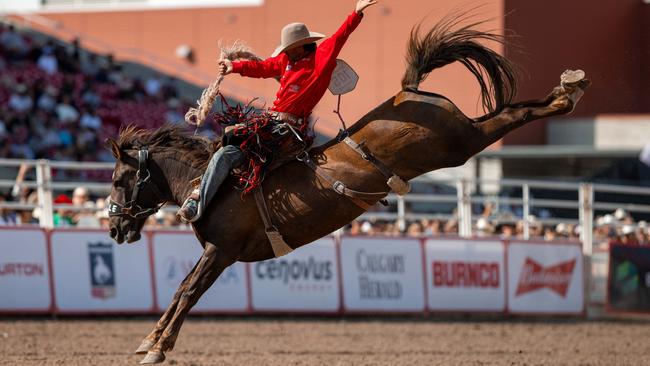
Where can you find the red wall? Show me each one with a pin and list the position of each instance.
(609, 39)
(604, 38)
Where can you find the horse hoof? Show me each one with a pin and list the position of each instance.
(145, 346)
(153, 357)
(571, 78)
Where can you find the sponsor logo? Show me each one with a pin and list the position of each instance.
(465, 274)
(556, 277)
(102, 270)
(301, 275)
(175, 269)
(369, 264)
(22, 269)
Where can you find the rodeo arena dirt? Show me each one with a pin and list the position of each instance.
(493, 212)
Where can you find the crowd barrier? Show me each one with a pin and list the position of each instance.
(84, 272)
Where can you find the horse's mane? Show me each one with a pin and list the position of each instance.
(196, 150)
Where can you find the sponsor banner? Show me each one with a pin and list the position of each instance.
(304, 280)
(545, 278)
(93, 273)
(24, 271)
(465, 275)
(382, 274)
(629, 278)
(175, 254)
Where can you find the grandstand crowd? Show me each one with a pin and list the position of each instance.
(58, 101)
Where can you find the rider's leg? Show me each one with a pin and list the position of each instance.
(222, 162)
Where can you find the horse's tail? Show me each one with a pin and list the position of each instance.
(443, 45)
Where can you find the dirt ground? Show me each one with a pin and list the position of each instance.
(210, 341)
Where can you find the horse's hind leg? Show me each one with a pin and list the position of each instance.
(561, 101)
(209, 267)
(151, 339)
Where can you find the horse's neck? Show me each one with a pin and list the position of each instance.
(179, 175)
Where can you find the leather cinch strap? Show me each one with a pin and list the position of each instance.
(279, 246)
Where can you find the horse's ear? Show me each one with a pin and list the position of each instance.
(115, 148)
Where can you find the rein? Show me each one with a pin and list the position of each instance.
(131, 208)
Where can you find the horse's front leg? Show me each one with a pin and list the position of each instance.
(151, 339)
(206, 271)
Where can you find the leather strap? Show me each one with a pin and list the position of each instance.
(279, 246)
(357, 197)
(367, 155)
(394, 181)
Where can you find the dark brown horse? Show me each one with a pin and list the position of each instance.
(413, 132)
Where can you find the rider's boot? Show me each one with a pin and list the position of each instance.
(190, 210)
(221, 163)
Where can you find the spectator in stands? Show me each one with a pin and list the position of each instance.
(7, 217)
(628, 235)
(65, 112)
(102, 213)
(47, 61)
(47, 101)
(90, 119)
(63, 217)
(506, 230)
(21, 101)
(14, 45)
(83, 218)
(414, 229)
(483, 227)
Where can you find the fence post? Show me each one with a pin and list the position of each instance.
(586, 211)
(526, 210)
(401, 214)
(43, 179)
(464, 208)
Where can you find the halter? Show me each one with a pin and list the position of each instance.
(131, 208)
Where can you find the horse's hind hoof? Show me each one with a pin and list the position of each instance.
(153, 357)
(145, 346)
(571, 78)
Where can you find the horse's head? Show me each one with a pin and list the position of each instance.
(134, 194)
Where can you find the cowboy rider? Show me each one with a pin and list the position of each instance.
(304, 69)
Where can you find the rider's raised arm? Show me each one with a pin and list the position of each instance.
(333, 45)
(271, 67)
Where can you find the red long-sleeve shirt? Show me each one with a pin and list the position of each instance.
(304, 82)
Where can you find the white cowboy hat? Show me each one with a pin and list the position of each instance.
(294, 35)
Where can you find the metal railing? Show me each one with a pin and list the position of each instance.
(464, 199)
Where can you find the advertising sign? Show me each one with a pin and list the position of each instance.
(629, 278)
(24, 271)
(175, 254)
(465, 275)
(382, 274)
(304, 280)
(545, 278)
(93, 273)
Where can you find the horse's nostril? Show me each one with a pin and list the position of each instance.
(113, 232)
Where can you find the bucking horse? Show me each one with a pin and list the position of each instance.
(326, 187)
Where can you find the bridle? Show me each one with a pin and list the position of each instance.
(131, 208)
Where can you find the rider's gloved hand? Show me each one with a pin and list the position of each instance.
(225, 67)
(362, 4)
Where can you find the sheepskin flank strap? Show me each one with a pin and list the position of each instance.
(358, 198)
(279, 246)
